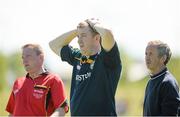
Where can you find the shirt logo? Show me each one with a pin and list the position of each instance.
(38, 93)
(78, 67)
(83, 76)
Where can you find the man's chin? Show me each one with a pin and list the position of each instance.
(83, 52)
(150, 69)
(27, 70)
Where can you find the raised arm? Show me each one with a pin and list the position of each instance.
(107, 39)
(62, 40)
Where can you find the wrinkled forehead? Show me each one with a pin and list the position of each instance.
(151, 48)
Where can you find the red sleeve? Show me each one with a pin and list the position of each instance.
(10, 104)
(58, 92)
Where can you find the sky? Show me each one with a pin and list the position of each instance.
(133, 23)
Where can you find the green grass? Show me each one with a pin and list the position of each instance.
(132, 93)
(4, 96)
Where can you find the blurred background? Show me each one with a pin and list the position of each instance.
(133, 23)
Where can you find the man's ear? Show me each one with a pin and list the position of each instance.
(41, 57)
(163, 58)
(98, 37)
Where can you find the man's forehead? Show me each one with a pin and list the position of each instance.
(151, 48)
(83, 30)
(28, 51)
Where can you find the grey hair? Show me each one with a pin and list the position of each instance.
(36, 47)
(163, 49)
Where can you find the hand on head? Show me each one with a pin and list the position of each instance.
(92, 22)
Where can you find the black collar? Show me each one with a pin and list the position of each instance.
(159, 74)
(44, 73)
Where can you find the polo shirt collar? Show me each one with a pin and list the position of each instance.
(158, 74)
(44, 73)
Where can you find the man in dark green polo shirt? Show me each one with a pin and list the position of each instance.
(96, 68)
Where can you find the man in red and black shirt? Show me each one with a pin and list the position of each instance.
(39, 93)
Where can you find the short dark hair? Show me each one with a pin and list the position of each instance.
(163, 49)
(36, 47)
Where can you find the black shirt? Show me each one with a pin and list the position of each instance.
(162, 95)
(93, 84)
